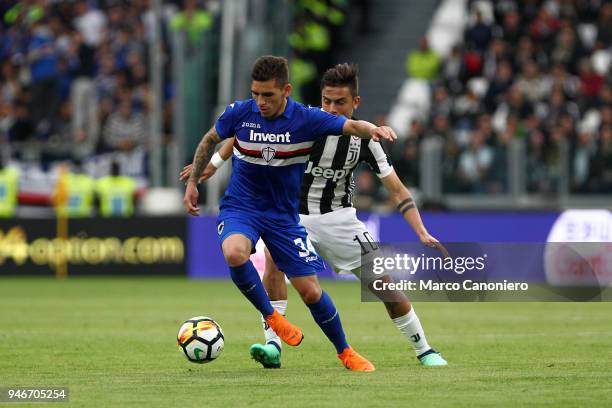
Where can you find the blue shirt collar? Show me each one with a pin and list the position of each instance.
(288, 112)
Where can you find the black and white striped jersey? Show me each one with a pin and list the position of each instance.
(328, 182)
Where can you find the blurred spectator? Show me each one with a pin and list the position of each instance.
(106, 79)
(79, 190)
(475, 163)
(192, 20)
(499, 167)
(567, 51)
(515, 104)
(558, 141)
(591, 82)
(584, 152)
(467, 107)
(473, 64)
(43, 59)
(453, 70)
(85, 125)
(544, 27)
(559, 106)
(511, 30)
(116, 193)
(499, 85)
(423, 63)
(91, 23)
(440, 127)
(537, 170)
(601, 166)
(604, 25)
(562, 78)
(442, 103)
(450, 161)
(407, 163)
(125, 129)
(496, 54)
(479, 35)
(416, 131)
(530, 83)
(9, 179)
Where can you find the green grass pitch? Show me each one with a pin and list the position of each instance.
(113, 343)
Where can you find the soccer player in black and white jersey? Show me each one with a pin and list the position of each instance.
(327, 213)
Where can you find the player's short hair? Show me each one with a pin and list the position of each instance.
(271, 67)
(342, 75)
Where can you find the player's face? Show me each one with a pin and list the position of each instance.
(271, 98)
(338, 100)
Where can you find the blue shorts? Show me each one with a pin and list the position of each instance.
(288, 243)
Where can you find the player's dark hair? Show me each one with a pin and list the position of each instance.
(271, 67)
(342, 75)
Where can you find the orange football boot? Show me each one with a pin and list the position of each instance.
(354, 361)
(290, 334)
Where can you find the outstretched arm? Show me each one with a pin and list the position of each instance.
(367, 130)
(405, 204)
(200, 160)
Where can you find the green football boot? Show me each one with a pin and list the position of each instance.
(432, 358)
(268, 355)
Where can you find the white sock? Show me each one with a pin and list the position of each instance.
(280, 306)
(410, 326)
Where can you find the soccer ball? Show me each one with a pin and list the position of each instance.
(201, 339)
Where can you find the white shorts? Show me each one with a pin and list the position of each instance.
(339, 237)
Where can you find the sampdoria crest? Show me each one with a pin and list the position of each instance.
(267, 153)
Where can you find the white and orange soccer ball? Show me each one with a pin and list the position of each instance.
(201, 339)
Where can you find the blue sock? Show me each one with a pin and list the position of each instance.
(328, 319)
(246, 278)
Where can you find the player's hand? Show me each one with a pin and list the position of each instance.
(191, 198)
(432, 242)
(185, 173)
(208, 173)
(383, 132)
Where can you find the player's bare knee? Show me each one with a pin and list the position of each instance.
(236, 250)
(311, 294)
(236, 256)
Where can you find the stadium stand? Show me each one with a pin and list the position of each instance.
(503, 98)
(536, 71)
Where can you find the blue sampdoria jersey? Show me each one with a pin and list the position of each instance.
(270, 155)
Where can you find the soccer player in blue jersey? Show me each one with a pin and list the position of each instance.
(274, 136)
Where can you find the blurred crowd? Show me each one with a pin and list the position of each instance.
(75, 94)
(75, 84)
(538, 70)
(74, 75)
